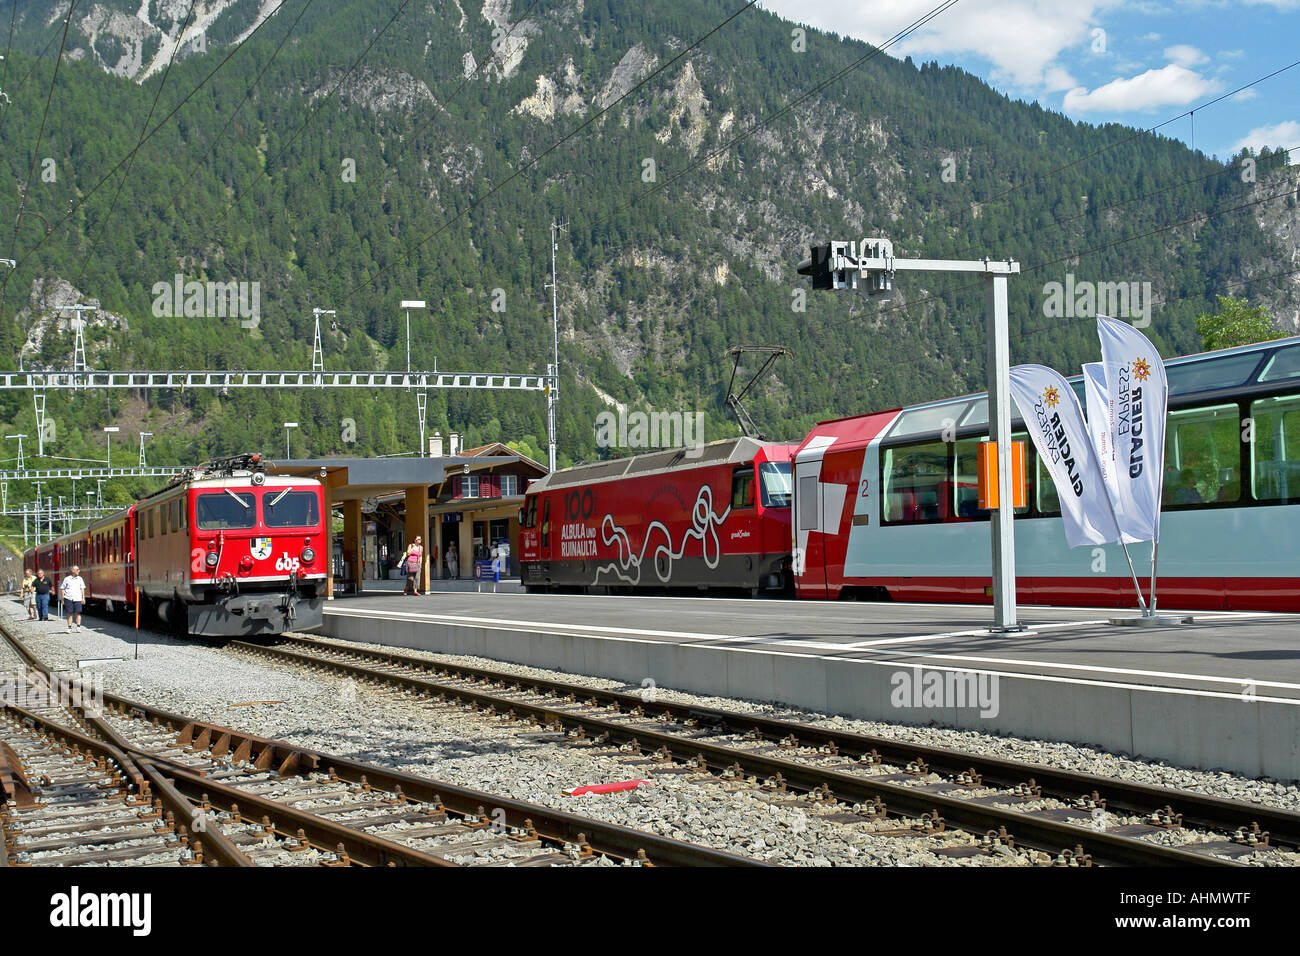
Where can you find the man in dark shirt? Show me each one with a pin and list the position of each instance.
(42, 587)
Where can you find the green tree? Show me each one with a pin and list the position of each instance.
(1236, 323)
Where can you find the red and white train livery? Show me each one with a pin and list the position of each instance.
(885, 504)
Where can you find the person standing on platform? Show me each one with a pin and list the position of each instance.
(412, 560)
(73, 590)
(41, 589)
(453, 562)
(29, 595)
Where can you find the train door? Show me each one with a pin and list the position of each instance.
(809, 556)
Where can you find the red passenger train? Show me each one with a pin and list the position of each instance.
(224, 550)
(885, 507)
(714, 516)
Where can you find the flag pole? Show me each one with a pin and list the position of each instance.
(1141, 603)
(1155, 550)
(1105, 487)
(1160, 498)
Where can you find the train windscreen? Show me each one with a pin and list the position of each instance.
(290, 509)
(777, 484)
(225, 511)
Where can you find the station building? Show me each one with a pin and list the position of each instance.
(469, 498)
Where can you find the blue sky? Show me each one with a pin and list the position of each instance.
(1100, 61)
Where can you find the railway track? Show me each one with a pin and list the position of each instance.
(221, 797)
(1076, 818)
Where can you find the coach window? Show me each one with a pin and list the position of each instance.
(1049, 503)
(965, 487)
(546, 523)
(224, 511)
(290, 509)
(1275, 451)
(1202, 456)
(914, 482)
(742, 487)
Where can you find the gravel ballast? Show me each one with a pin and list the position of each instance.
(469, 749)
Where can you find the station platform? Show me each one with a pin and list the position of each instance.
(1221, 693)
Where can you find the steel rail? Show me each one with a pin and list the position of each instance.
(147, 782)
(368, 848)
(1200, 810)
(1037, 831)
(553, 825)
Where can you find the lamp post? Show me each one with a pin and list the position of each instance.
(287, 426)
(841, 265)
(108, 432)
(408, 305)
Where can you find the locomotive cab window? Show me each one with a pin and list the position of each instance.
(777, 483)
(224, 511)
(290, 509)
(742, 487)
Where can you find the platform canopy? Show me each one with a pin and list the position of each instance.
(354, 479)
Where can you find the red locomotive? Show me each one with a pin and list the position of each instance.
(714, 516)
(225, 550)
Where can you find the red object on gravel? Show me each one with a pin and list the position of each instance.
(609, 787)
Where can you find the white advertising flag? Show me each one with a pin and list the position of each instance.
(1100, 418)
(1055, 422)
(1139, 401)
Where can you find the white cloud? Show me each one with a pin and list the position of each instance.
(1185, 55)
(1285, 134)
(1172, 85)
(1247, 94)
(1022, 39)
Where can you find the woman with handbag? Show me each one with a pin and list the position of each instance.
(412, 559)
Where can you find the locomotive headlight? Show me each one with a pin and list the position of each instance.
(211, 559)
(308, 555)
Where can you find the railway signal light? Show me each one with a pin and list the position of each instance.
(827, 267)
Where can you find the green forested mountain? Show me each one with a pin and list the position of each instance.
(430, 169)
